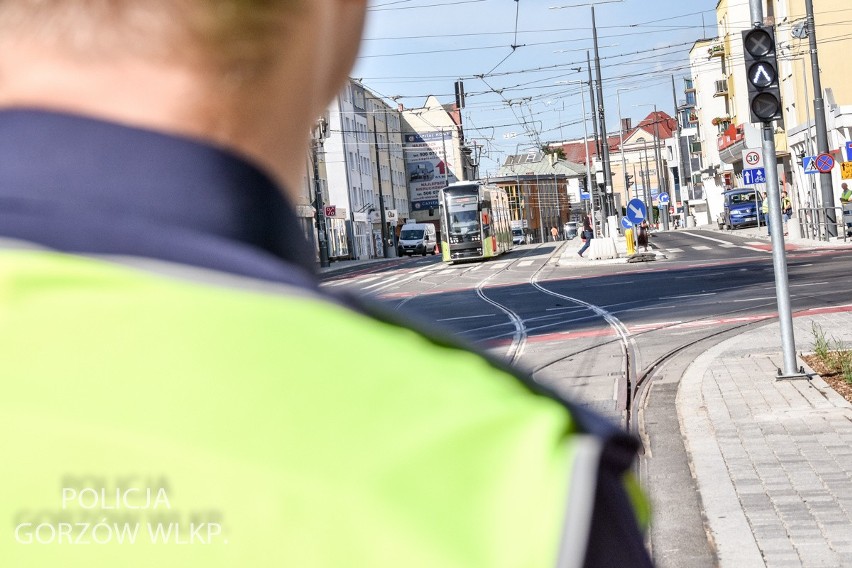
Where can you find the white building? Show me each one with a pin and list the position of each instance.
(435, 155)
(711, 119)
(349, 166)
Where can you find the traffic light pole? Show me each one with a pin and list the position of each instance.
(322, 236)
(776, 228)
(607, 197)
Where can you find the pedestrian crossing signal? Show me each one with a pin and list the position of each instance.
(764, 93)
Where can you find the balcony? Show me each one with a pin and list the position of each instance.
(695, 147)
(721, 89)
(693, 118)
(716, 50)
(723, 122)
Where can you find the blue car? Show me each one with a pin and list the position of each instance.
(742, 209)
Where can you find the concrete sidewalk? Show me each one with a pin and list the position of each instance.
(761, 234)
(772, 459)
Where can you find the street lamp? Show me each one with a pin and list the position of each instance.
(585, 137)
(621, 143)
(658, 159)
(646, 178)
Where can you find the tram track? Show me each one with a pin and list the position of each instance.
(632, 378)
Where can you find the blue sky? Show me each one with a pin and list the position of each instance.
(416, 48)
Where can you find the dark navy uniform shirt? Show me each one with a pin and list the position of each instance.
(82, 185)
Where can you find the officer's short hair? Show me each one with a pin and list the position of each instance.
(226, 33)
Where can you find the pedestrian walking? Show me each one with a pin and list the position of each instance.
(764, 208)
(164, 332)
(642, 234)
(554, 232)
(786, 209)
(588, 233)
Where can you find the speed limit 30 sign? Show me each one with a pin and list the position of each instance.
(752, 159)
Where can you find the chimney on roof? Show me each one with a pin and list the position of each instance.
(626, 124)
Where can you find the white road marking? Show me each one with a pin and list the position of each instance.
(477, 267)
(753, 299)
(370, 279)
(728, 245)
(701, 247)
(810, 284)
(524, 263)
(646, 309)
(468, 317)
(388, 281)
(707, 238)
(497, 265)
(614, 284)
(674, 250)
(687, 296)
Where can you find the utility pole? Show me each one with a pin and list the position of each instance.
(826, 190)
(597, 138)
(391, 230)
(602, 112)
(684, 184)
(322, 237)
(658, 166)
(586, 149)
(384, 221)
(757, 44)
(621, 145)
(647, 188)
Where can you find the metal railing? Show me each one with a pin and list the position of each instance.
(814, 224)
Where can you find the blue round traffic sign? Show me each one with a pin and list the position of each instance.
(636, 211)
(625, 223)
(664, 198)
(824, 163)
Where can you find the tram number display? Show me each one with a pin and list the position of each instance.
(464, 200)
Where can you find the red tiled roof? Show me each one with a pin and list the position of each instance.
(574, 151)
(664, 123)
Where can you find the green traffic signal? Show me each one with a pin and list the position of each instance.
(764, 92)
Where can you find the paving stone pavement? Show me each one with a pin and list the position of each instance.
(772, 459)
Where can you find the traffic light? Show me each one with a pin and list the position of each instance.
(629, 180)
(764, 94)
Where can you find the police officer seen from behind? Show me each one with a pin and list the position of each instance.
(168, 356)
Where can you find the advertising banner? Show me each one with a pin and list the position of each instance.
(429, 168)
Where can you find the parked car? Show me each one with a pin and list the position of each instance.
(417, 238)
(518, 237)
(570, 230)
(742, 209)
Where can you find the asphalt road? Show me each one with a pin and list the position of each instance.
(616, 336)
(573, 323)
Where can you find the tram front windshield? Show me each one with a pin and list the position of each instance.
(463, 218)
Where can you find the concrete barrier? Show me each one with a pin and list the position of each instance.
(602, 249)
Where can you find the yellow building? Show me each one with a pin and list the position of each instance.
(797, 88)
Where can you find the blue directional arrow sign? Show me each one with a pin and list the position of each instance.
(585, 195)
(664, 198)
(754, 176)
(809, 163)
(626, 223)
(849, 151)
(636, 211)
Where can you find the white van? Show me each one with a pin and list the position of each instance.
(417, 238)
